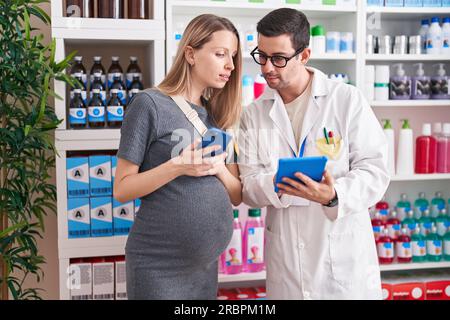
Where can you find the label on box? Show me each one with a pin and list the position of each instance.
(103, 281)
(78, 218)
(77, 177)
(121, 280)
(80, 281)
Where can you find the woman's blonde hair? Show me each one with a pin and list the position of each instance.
(224, 105)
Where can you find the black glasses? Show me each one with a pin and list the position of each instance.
(278, 61)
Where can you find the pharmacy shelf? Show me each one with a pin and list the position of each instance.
(413, 12)
(242, 277)
(414, 266)
(92, 247)
(411, 103)
(255, 9)
(87, 134)
(421, 177)
(407, 57)
(326, 56)
(87, 29)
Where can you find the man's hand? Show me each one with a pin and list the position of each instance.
(322, 192)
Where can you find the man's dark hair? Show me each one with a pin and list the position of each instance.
(286, 21)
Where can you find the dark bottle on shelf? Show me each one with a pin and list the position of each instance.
(133, 69)
(79, 85)
(96, 111)
(115, 110)
(113, 69)
(78, 67)
(121, 89)
(138, 9)
(98, 84)
(113, 9)
(135, 84)
(77, 111)
(79, 8)
(97, 67)
(132, 93)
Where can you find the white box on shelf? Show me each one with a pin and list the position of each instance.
(103, 280)
(121, 279)
(80, 280)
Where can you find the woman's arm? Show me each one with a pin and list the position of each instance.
(229, 176)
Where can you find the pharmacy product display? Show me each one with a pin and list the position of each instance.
(91, 209)
(418, 232)
(253, 293)
(111, 9)
(101, 101)
(330, 42)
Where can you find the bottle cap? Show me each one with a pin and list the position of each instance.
(426, 129)
(117, 75)
(97, 75)
(441, 71)
(96, 91)
(115, 58)
(435, 19)
(247, 81)
(447, 20)
(406, 124)
(425, 22)
(387, 124)
(97, 58)
(437, 128)
(133, 59)
(114, 91)
(438, 194)
(420, 71)
(400, 70)
(77, 90)
(446, 129)
(78, 58)
(317, 31)
(254, 212)
(235, 213)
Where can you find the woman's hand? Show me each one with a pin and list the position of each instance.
(191, 161)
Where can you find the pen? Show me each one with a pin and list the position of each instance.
(331, 135)
(326, 135)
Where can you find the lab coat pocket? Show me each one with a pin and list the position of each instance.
(331, 149)
(274, 250)
(345, 252)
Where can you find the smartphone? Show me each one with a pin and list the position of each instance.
(213, 137)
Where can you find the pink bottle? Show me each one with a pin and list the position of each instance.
(254, 242)
(443, 150)
(385, 248)
(232, 257)
(426, 149)
(259, 85)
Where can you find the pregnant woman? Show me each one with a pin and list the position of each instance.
(185, 219)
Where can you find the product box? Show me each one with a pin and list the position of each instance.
(438, 290)
(446, 3)
(78, 218)
(413, 3)
(121, 279)
(101, 217)
(113, 169)
(103, 279)
(386, 290)
(432, 3)
(137, 206)
(409, 291)
(77, 177)
(123, 217)
(100, 176)
(80, 280)
(375, 3)
(393, 3)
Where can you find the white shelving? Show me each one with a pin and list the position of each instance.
(411, 103)
(407, 57)
(422, 177)
(408, 12)
(242, 277)
(109, 36)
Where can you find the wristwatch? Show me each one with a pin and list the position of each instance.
(333, 202)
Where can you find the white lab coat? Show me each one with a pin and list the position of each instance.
(312, 251)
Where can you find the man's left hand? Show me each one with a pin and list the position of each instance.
(322, 192)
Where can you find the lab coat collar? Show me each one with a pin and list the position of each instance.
(280, 117)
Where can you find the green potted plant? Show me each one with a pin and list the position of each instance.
(27, 152)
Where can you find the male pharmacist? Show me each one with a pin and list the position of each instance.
(319, 239)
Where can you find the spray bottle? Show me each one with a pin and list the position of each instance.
(439, 83)
(420, 86)
(400, 84)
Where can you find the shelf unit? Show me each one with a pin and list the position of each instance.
(410, 103)
(110, 37)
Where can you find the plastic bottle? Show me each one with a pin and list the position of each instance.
(259, 86)
(97, 67)
(77, 118)
(420, 205)
(378, 225)
(423, 33)
(96, 111)
(409, 223)
(135, 84)
(418, 244)
(403, 206)
(251, 39)
(403, 247)
(434, 37)
(437, 204)
(426, 151)
(247, 90)
(446, 37)
(233, 255)
(98, 84)
(425, 223)
(133, 70)
(443, 150)
(400, 84)
(394, 226)
(420, 84)
(441, 222)
(319, 41)
(120, 86)
(115, 110)
(254, 242)
(385, 248)
(382, 207)
(113, 69)
(405, 152)
(439, 83)
(434, 245)
(389, 132)
(446, 245)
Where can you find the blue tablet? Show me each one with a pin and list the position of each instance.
(215, 136)
(312, 167)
